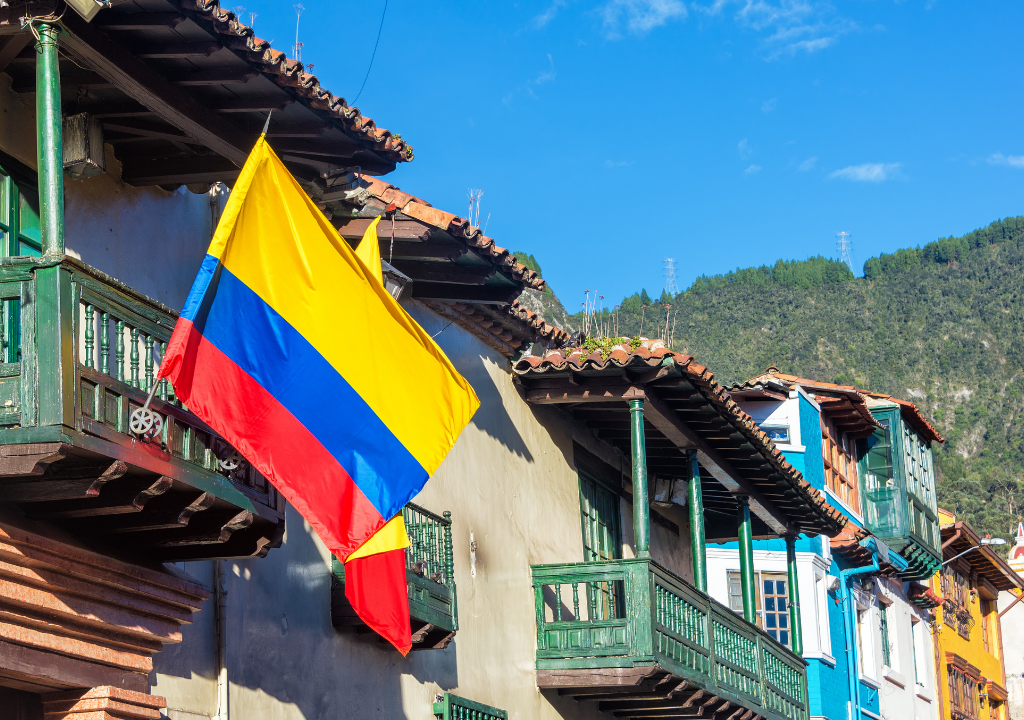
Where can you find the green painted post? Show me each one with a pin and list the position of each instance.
(697, 544)
(794, 596)
(746, 560)
(641, 508)
(49, 141)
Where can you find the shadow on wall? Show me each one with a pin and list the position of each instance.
(463, 350)
(283, 651)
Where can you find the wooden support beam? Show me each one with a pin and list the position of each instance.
(217, 76)
(138, 21)
(117, 110)
(721, 469)
(240, 105)
(89, 46)
(404, 229)
(444, 272)
(213, 536)
(128, 496)
(489, 294)
(307, 130)
(167, 51)
(421, 250)
(583, 394)
(12, 47)
(148, 130)
(75, 483)
(177, 171)
(169, 511)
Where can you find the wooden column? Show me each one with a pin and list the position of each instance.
(49, 140)
(746, 561)
(641, 505)
(697, 544)
(796, 629)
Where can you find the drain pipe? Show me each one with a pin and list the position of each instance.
(220, 595)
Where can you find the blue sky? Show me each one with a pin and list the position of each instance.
(610, 135)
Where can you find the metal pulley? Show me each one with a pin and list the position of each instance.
(230, 460)
(145, 422)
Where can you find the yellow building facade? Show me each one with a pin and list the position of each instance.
(970, 673)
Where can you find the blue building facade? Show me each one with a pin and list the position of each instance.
(857, 624)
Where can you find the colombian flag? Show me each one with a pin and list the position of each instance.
(291, 348)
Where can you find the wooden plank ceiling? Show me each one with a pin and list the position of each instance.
(183, 91)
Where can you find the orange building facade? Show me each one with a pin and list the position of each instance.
(969, 660)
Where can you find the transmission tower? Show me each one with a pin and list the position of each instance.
(670, 277)
(845, 246)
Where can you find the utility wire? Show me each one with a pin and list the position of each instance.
(374, 52)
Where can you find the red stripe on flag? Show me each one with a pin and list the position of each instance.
(281, 447)
(377, 588)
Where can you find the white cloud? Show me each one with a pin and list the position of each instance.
(548, 15)
(744, 149)
(752, 169)
(546, 75)
(807, 164)
(793, 26)
(768, 105)
(612, 164)
(1016, 161)
(640, 16)
(868, 172)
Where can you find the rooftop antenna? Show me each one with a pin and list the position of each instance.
(670, 277)
(474, 204)
(845, 246)
(297, 48)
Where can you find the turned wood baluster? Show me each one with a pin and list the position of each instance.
(90, 336)
(3, 333)
(119, 353)
(575, 602)
(135, 357)
(149, 362)
(558, 601)
(449, 560)
(105, 343)
(434, 555)
(592, 590)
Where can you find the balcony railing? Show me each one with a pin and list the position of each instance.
(433, 606)
(626, 628)
(80, 352)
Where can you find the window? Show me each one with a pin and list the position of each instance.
(840, 461)
(771, 594)
(599, 507)
(775, 591)
(19, 235)
(777, 433)
(914, 644)
(963, 695)
(602, 541)
(883, 506)
(865, 642)
(887, 645)
(956, 594)
(821, 613)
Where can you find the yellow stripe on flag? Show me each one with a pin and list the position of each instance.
(390, 537)
(368, 251)
(296, 261)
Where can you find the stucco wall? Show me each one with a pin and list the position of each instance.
(510, 481)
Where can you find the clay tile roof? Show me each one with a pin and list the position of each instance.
(291, 74)
(909, 411)
(457, 227)
(652, 353)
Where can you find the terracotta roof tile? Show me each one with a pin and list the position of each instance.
(457, 227)
(908, 409)
(506, 328)
(291, 74)
(651, 353)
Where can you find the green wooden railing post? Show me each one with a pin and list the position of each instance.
(641, 507)
(746, 539)
(794, 597)
(449, 568)
(697, 544)
(49, 141)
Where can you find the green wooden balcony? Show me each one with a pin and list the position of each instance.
(646, 644)
(79, 353)
(429, 570)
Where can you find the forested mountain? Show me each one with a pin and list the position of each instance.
(940, 325)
